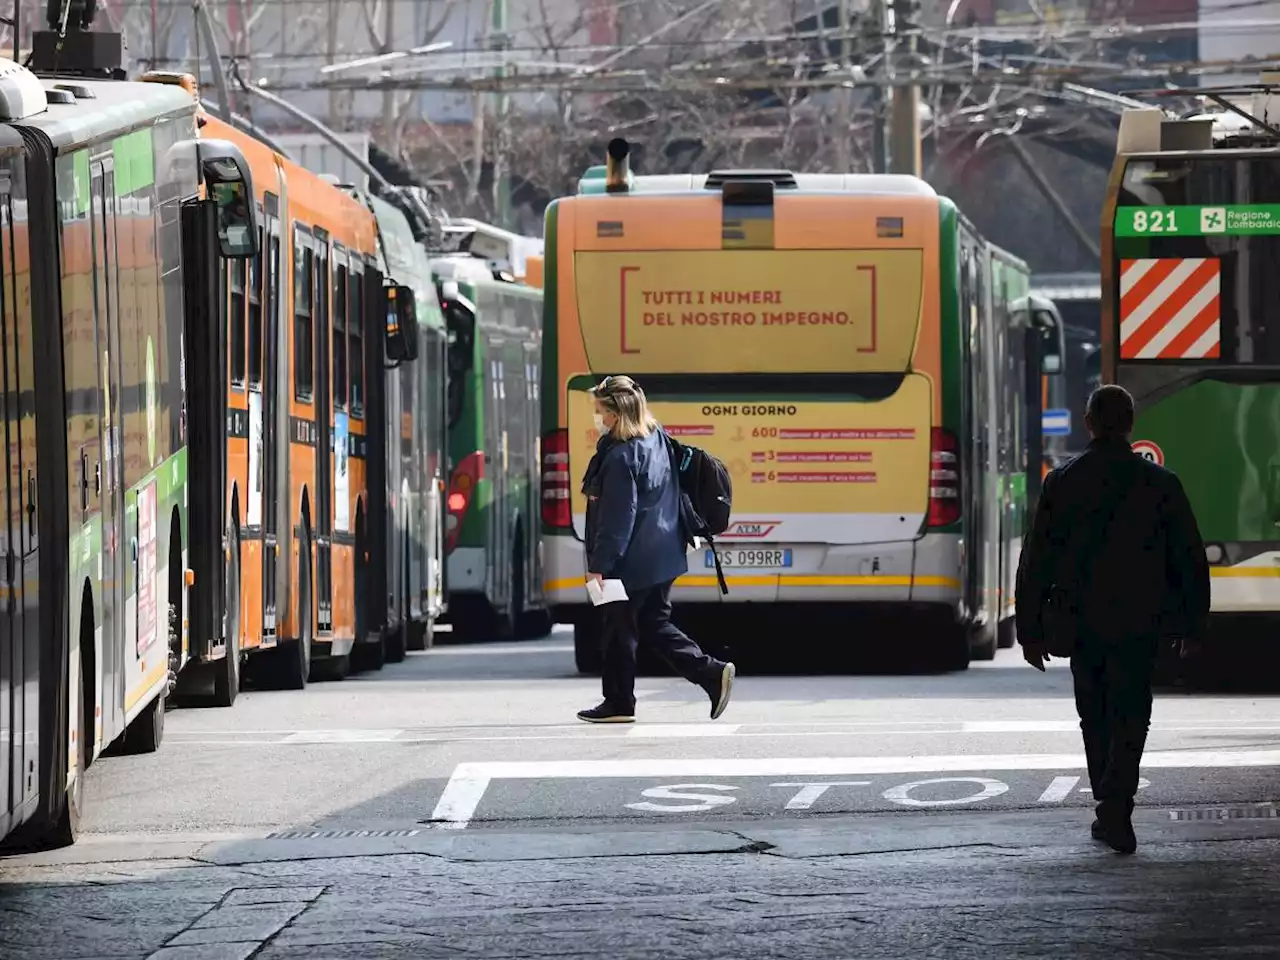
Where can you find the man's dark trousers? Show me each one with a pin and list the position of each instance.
(647, 613)
(1113, 698)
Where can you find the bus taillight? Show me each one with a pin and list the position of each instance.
(555, 480)
(944, 478)
(462, 487)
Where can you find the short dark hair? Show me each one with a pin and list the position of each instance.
(1110, 411)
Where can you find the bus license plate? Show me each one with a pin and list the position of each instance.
(752, 557)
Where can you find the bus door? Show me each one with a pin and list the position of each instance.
(263, 426)
(107, 336)
(977, 413)
(19, 750)
(499, 539)
(532, 507)
(324, 437)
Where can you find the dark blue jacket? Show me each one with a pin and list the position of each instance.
(1113, 554)
(633, 513)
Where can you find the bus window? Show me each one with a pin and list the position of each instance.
(255, 316)
(239, 273)
(460, 320)
(339, 333)
(355, 339)
(303, 343)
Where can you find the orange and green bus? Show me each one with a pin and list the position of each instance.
(1190, 236)
(852, 349)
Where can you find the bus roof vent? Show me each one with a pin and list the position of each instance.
(59, 96)
(21, 94)
(783, 179)
(79, 91)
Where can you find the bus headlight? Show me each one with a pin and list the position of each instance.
(1214, 552)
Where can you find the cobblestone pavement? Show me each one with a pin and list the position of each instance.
(945, 885)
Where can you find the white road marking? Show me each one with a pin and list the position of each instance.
(342, 736)
(465, 789)
(1059, 789)
(702, 801)
(989, 788)
(658, 731)
(811, 793)
(491, 650)
(1020, 726)
(779, 730)
(462, 794)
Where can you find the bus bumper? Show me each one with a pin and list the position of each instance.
(916, 571)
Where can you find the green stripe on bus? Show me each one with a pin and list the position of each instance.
(135, 163)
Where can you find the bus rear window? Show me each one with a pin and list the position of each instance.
(750, 311)
(1197, 245)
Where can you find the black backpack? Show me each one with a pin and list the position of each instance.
(706, 496)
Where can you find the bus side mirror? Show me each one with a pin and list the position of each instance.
(1052, 343)
(229, 183)
(401, 323)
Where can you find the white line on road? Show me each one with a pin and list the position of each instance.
(1059, 789)
(779, 729)
(462, 794)
(1020, 726)
(465, 789)
(657, 731)
(342, 736)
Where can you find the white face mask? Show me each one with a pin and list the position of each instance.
(600, 427)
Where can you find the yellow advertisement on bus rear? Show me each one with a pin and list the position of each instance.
(749, 311)
(804, 470)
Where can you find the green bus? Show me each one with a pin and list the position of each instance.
(415, 454)
(852, 349)
(493, 570)
(1191, 234)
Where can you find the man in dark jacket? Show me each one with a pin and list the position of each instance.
(1112, 566)
(634, 535)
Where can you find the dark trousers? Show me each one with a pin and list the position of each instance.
(646, 617)
(1113, 698)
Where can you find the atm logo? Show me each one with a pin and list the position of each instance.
(750, 529)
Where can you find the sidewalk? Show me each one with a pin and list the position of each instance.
(946, 885)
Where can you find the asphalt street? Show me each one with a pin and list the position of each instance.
(451, 805)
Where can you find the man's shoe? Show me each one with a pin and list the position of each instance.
(721, 690)
(1118, 835)
(607, 713)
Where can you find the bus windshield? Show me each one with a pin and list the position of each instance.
(1197, 244)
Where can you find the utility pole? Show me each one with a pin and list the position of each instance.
(904, 102)
(844, 102)
(502, 133)
(389, 95)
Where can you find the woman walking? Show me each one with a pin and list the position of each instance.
(633, 535)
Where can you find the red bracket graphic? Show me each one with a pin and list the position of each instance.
(622, 280)
(870, 268)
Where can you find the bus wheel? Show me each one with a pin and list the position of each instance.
(295, 656)
(67, 828)
(986, 650)
(419, 637)
(950, 641)
(146, 732)
(394, 642)
(535, 623)
(1008, 634)
(588, 636)
(226, 682)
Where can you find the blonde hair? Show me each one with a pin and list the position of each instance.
(623, 397)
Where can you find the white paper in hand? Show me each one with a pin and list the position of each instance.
(605, 591)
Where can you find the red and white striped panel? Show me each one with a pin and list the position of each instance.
(1170, 309)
